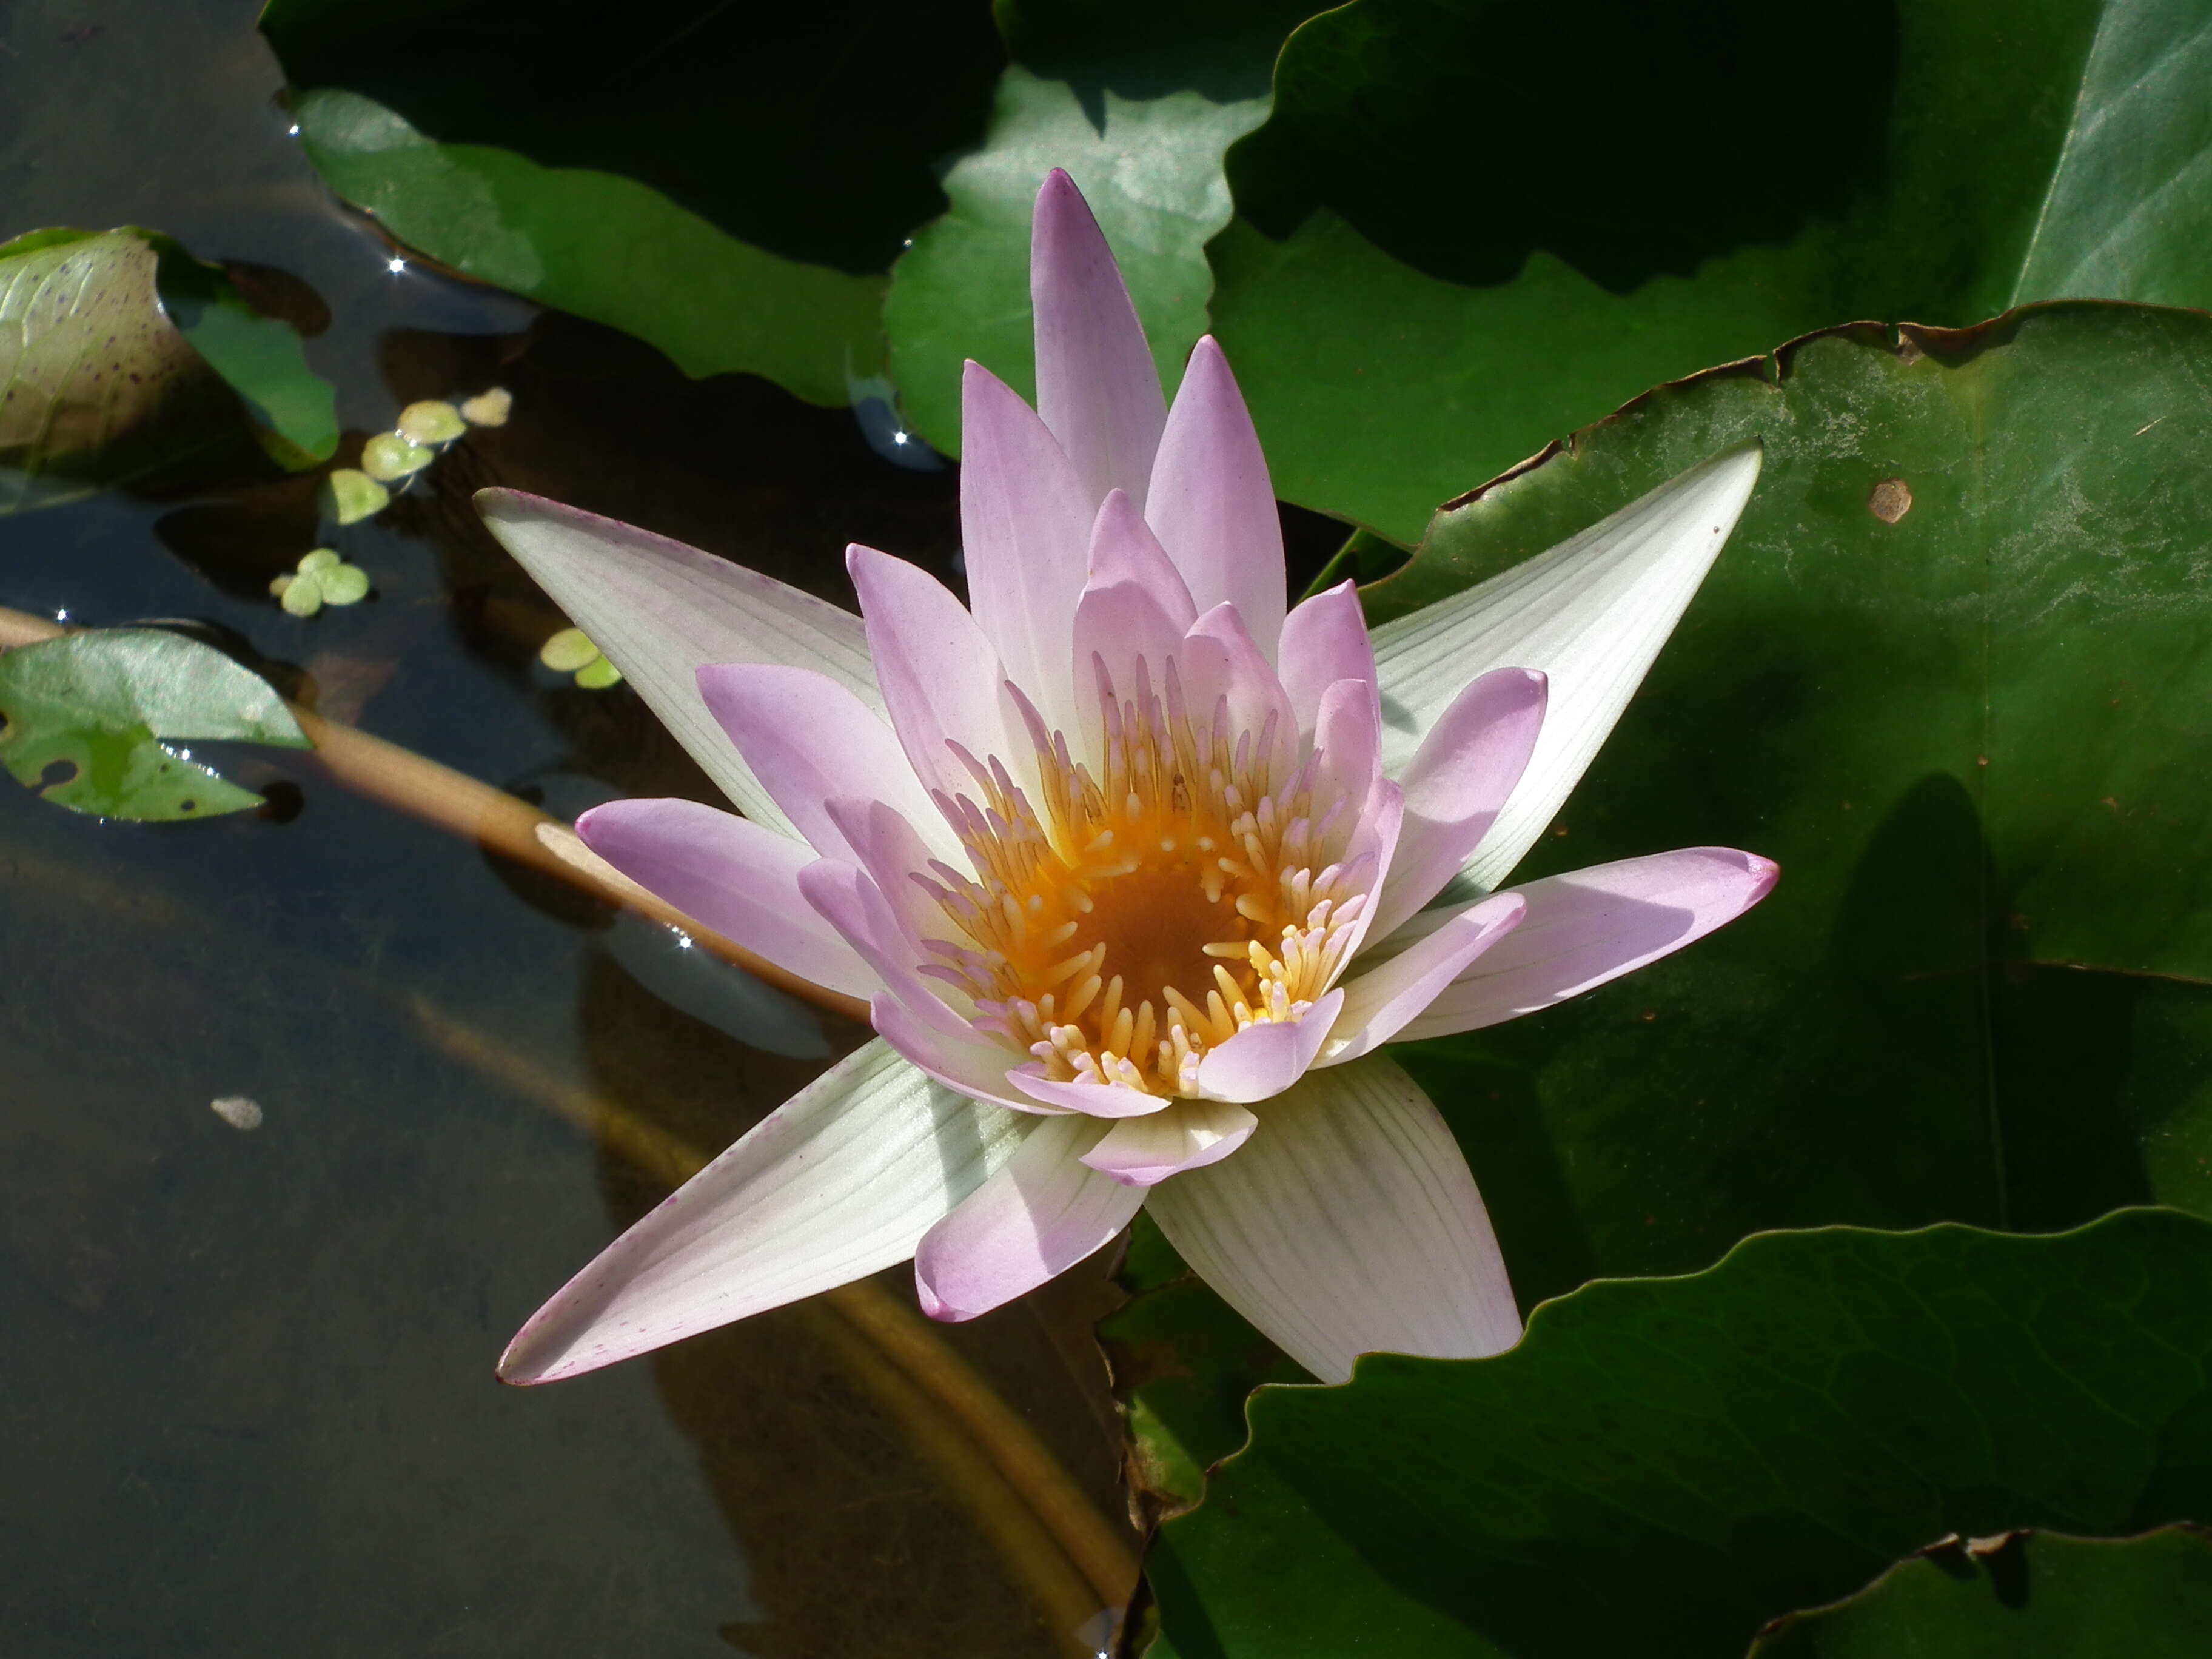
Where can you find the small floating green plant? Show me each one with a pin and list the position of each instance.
(323, 578)
(571, 651)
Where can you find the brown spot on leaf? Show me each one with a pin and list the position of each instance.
(1890, 500)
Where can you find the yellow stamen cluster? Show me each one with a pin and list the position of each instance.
(1132, 919)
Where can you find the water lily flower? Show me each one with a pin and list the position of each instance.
(1136, 866)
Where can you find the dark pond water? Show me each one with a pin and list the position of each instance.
(246, 1401)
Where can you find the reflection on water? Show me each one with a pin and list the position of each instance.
(246, 1390)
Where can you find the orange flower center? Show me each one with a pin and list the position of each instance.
(1136, 917)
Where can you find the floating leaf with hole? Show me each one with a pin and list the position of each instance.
(86, 716)
(2030, 1595)
(1662, 1465)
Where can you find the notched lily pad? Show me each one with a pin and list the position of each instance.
(2029, 1595)
(1663, 1466)
(86, 716)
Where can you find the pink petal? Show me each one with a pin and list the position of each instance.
(1042, 1213)
(849, 902)
(1348, 1225)
(1123, 548)
(839, 1181)
(807, 739)
(1143, 1152)
(940, 677)
(1024, 525)
(887, 847)
(1456, 783)
(1347, 746)
(1324, 640)
(1133, 610)
(660, 610)
(1098, 388)
(1379, 1003)
(1261, 1061)
(1211, 501)
(739, 878)
(1220, 660)
(975, 1066)
(1091, 1099)
(1591, 926)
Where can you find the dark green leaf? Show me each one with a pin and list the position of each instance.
(1182, 1364)
(1663, 1466)
(1138, 102)
(2036, 1596)
(85, 713)
(96, 387)
(1472, 224)
(1974, 739)
(1151, 170)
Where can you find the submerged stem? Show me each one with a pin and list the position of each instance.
(985, 1428)
(491, 817)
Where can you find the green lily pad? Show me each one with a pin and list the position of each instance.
(1470, 225)
(97, 387)
(86, 715)
(2035, 1596)
(1953, 673)
(1972, 732)
(1151, 169)
(1663, 1466)
(294, 410)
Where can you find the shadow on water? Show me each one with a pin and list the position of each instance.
(1627, 139)
(855, 99)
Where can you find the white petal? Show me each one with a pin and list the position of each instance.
(1348, 1225)
(839, 1181)
(661, 611)
(1591, 614)
(1591, 926)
